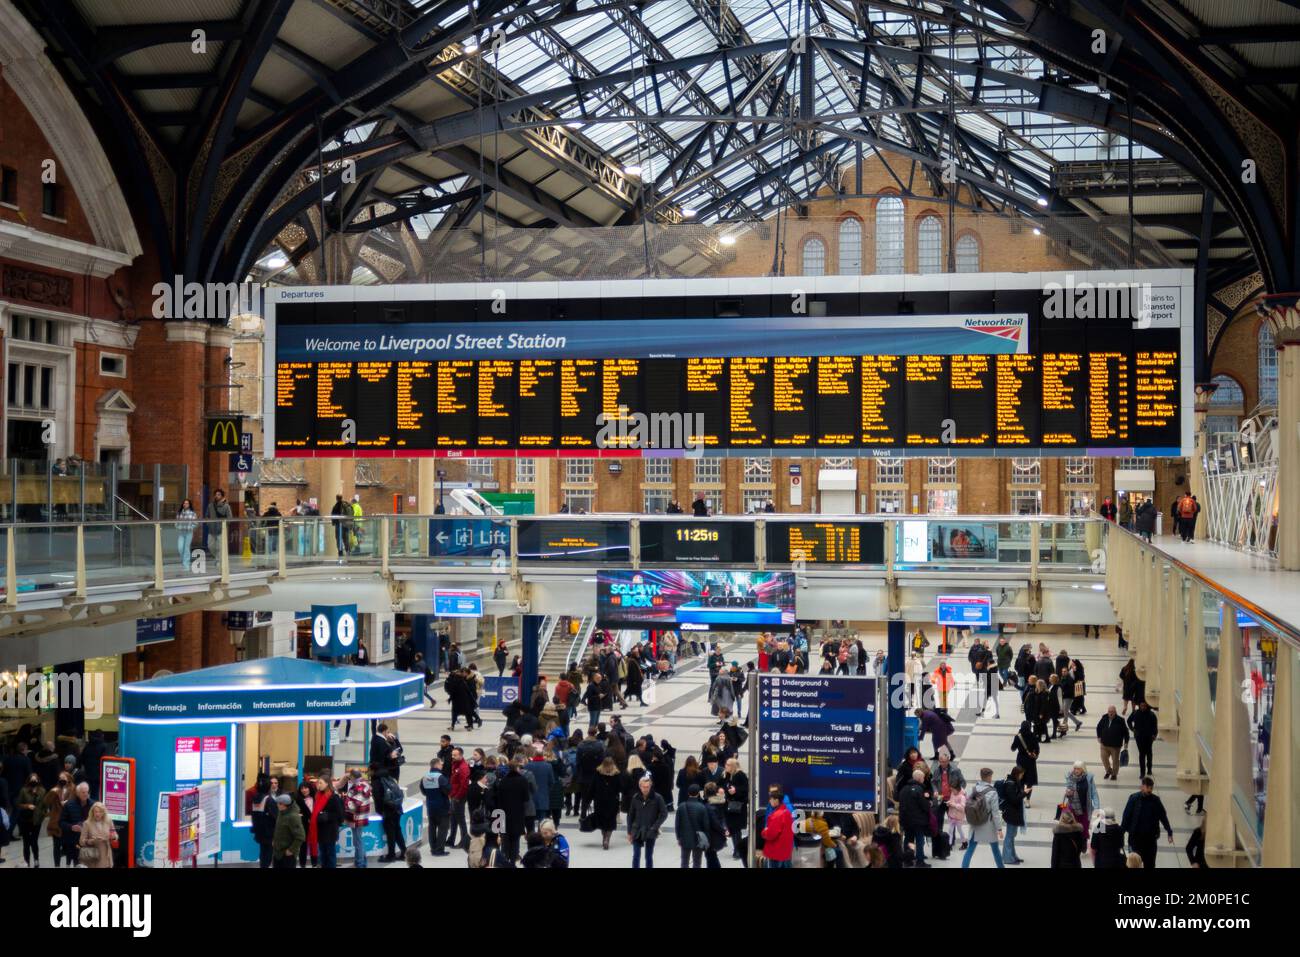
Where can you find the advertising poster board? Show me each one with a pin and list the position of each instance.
(695, 600)
(189, 759)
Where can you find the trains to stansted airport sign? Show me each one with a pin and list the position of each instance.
(1038, 364)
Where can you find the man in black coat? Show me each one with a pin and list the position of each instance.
(914, 814)
(91, 755)
(1112, 736)
(384, 753)
(645, 816)
(1144, 815)
(1145, 727)
(513, 792)
(462, 700)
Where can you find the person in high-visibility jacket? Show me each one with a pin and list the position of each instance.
(942, 680)
(354, 544)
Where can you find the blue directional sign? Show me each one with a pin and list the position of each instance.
(150, 631)
(817, 739)
(468, 538)
(457, 603)
(333, 630)
(499, 692)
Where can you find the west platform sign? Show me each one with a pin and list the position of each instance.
(817, 739)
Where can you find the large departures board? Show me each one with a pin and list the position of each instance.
(1043, 364)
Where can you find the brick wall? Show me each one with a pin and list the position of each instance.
(23, 148)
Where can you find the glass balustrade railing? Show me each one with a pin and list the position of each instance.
(45, 555)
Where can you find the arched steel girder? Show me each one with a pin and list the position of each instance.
(1162, 84)
(457, 129)
(286, 143)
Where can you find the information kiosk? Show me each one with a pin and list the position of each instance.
(227, 724)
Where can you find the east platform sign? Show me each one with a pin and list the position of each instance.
(817, 739)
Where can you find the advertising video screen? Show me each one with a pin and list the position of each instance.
(470, 370)
(695, 600)
(963, 541)
(964, 611)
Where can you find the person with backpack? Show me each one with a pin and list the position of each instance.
(388, 800)
(984, 818)
(1011, 802)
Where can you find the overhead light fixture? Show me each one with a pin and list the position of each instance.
(727, 239)
(276, 262)
(573, 124)
(632, 170)
(1042, 200)
(688, 213)
(1037, 231)
(470, 45)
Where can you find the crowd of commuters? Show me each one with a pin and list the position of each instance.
(49, 797)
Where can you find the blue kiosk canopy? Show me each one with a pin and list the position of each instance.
(271, 689)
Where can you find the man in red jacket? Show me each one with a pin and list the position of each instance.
(778, 834)
(459, 791)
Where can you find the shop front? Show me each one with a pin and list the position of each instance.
(228, 724)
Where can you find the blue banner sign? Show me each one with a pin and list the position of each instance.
(202, 696)
(499, 693)
(457, 603)
(149, 631)
(817, 739)
(468, 538)
(965, 611)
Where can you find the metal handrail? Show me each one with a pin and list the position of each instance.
(585, 630)
(547, 632)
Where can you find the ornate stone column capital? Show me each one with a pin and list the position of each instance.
(1282, 312)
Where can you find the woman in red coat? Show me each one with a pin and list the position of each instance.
(778, 832)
